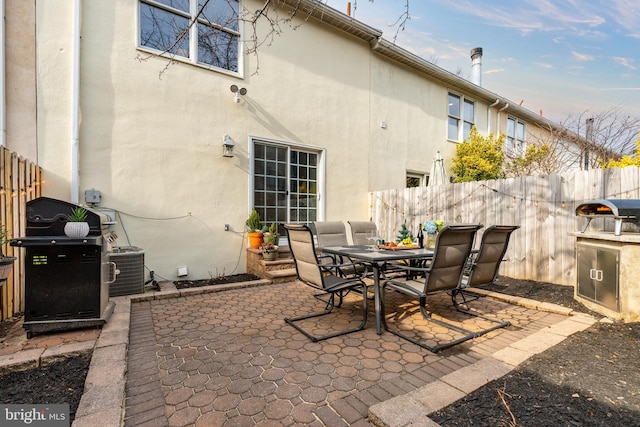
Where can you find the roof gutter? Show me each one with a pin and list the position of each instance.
(489, 115)
(500, 111)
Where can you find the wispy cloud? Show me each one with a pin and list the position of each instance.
(626, 14)
(537, 15)
(581, 56)
(625, 62)
(494, 70)
(619, 88)
(545, 65)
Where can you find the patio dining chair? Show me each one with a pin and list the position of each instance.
(360, 230)
(321, 276)
(483, 266)
(334, 233)
(442, 274)
(331, 233)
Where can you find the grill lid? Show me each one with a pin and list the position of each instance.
(612, 208)
(47, 217)
(622, 210)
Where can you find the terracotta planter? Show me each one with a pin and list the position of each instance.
(255, 239)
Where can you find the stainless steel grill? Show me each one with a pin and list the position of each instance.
(621, 210)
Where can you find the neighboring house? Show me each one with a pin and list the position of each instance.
(333, 112)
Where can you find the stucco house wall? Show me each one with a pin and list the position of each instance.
(151, 132)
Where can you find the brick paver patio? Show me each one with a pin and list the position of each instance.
(229, 359)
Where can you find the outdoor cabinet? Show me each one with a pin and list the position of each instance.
(598, 275)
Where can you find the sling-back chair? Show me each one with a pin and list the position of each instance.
(361, 230)
(321, 276)
(484, 265)
(443, 274)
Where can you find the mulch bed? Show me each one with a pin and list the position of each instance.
(590, 379)
(59, 382)
(233, 278)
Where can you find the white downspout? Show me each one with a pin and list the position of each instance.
(489, 115)
(500, 111)
(75, 103)
(3, 89)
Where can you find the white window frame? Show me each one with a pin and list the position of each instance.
(320, 179)
(463, 124)
(423, 177)
(192, 58)
(516, 146)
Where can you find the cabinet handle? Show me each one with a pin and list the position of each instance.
(597, 275)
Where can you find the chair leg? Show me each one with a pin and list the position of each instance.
(456, 304)
(468, 335)
(329, 307)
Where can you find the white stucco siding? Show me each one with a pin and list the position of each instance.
(53, 68)
(414, 109)
(153, 144)
(20, 78)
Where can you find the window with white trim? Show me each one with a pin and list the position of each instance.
(461, 117)
(416, 179)
(213, 40)
(286, 182)
(516, 144)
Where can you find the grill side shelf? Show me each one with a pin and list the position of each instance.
(55, 241)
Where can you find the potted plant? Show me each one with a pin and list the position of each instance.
(272, 235)
(254, 225)
(77, 225)
(6, 262)
(269, 251)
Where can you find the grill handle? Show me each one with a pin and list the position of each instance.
(115, 271)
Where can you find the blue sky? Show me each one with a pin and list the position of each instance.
(563, 57)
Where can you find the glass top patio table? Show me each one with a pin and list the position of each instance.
(376, 258)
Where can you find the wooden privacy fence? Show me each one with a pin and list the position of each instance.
(20, 181)
(543, 206)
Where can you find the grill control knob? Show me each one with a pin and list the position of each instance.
(53, 242)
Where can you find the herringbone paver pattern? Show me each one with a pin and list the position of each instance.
(229, 359)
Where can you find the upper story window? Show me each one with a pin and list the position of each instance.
(462, 114)
(515, 137)
(212, 40)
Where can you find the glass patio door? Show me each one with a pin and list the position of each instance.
(285, 183)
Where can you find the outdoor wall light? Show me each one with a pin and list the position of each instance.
(238, 92)
(227, 146)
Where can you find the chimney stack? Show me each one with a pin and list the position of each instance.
(476, 66)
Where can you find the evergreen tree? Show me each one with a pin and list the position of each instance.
(404, 233)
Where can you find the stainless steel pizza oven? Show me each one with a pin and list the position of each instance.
(66, 278)
(621, 210)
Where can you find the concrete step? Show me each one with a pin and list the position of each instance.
(281, 276)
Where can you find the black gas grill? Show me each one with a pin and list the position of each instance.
(66, 283)
(621, 210)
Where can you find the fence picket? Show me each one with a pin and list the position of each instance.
(20, 181)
